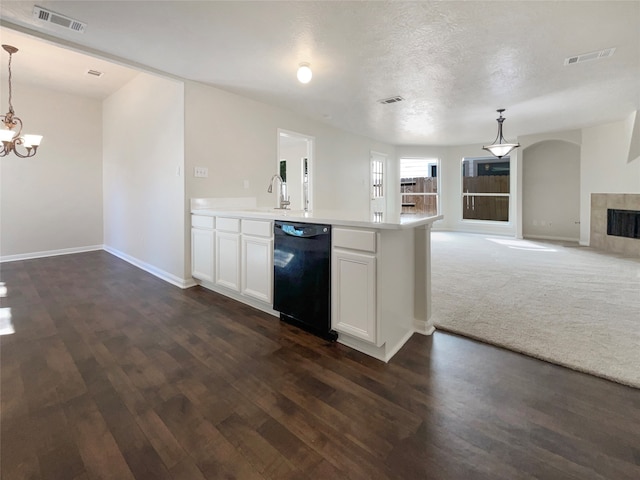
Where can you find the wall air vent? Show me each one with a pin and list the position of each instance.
(396, 99)
(95, 73)
(586, 57)
(63, 21)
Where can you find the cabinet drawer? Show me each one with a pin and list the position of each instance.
(228, 224)
(364, 240)
(202, 221)
(259, 228)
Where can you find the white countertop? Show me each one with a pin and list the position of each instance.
(331, 217)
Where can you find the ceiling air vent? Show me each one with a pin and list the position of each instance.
(396, 99)
(95, 73)
(57, 19)
(586, 57)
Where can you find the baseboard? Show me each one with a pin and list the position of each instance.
(552, 238)
(396, 348)
(423, 327)
(237, 296)
(161, 274)
(49, 253)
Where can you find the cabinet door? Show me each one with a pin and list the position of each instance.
(202, 254)
(353, 292)
(228, 260)
(257, 268)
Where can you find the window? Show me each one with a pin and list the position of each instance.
(485, 189)
(419, 185)
(377, 180)
(378, 200)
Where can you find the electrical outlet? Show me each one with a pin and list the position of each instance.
(201, 172)
(246, 184)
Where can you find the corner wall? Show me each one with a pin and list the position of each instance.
(604, 168)
(551, 191)
(143, 166)
(52, 203)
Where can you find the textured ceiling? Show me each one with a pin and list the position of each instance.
(453, 62)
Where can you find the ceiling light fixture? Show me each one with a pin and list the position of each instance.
(304, 73)
(500, 147)
(11, 138)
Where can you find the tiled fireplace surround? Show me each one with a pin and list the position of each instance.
(600, 202)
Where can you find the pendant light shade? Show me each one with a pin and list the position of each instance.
(499, 148)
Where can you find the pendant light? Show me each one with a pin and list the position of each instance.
(11, 137)
(500, 147)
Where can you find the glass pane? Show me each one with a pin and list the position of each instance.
(485, 175)
(420, 204)
(485, 208)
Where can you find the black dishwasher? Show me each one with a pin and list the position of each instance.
(302, 276)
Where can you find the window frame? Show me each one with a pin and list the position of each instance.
(497, 194)
(431, 161)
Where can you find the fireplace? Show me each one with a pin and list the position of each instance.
(615, 223)
(623, 223)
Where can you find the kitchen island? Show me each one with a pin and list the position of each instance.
(380, 268)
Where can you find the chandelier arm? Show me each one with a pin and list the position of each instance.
(31, 151)
(10, 121)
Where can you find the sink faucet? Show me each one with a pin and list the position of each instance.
(283, 199)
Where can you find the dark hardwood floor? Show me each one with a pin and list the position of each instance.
(115, 374)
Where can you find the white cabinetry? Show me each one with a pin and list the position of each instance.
(234, 257)
(353, 284)
(202, 247)
(227, 253)
(354, 294)
(257, 260)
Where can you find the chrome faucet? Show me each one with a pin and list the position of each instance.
(283, 199)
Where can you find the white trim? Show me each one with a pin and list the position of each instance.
(383, 353)
(549, 237)
(396, 348)
(161, 274)
(423, 327)
(252, 302)
(50, 253)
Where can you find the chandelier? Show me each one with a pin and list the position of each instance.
(500, 147)
(11, 137)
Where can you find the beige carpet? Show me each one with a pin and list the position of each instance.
(570, 305)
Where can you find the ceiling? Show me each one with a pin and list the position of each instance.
(453, 62)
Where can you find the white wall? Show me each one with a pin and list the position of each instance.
(236, 138)
(604, 168)
(53, 201)
(143, 167)
(551, 190)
